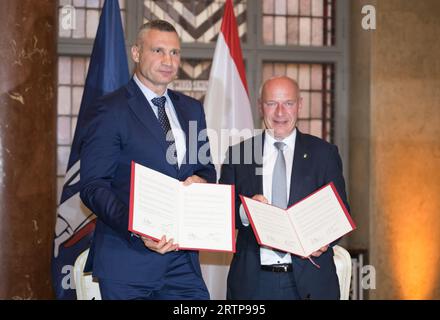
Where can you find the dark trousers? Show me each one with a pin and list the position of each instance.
(180, 282)
(276, 286)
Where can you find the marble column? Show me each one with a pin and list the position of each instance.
(27, 146)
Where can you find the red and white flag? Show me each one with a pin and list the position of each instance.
(229, 120)
(227, 104)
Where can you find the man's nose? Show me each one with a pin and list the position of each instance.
(279, 110)
(167, 60)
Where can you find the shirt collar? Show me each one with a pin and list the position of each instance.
(289, 140)
(148, 93)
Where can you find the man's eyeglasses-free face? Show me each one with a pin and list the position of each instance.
(289, 104)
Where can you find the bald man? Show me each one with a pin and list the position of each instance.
(286, 166)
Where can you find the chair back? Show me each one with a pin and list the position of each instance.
(86, 287)
(343, 268)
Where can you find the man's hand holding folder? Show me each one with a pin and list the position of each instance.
(305, 229)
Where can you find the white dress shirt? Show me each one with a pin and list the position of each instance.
(270, 154)
(179, 135)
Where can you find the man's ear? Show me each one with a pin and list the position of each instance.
(300, 104)
(135, 53)
(260, 107)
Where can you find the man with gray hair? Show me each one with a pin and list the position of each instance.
(287, 166)
(148, 123)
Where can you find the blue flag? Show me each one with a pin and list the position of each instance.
(108, 70)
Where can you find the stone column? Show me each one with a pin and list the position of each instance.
(27, 147)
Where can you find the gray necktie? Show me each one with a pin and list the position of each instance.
(279, 183)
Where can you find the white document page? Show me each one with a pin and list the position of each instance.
(199, 216)
(156, 204)
(206, 222)
(319, 220)
(272, 226)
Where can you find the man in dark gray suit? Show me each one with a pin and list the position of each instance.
(285, 166)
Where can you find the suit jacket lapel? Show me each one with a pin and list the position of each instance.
(142, 109)
(180, 111)
(257, 163)
(300, 168)
(182, 116)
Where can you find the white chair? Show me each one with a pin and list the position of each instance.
(86, 287)
(343, 268)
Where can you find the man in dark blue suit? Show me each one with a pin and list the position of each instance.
(147, 123)
(281, 167)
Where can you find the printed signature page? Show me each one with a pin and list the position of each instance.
(272, 226)
(154, 203)
(207, 218)
(319, 219)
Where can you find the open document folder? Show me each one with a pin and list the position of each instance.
(305, 227)
(198, 217)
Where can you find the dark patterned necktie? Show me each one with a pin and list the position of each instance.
(171, 155)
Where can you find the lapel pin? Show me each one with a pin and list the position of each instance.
(305, 155)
